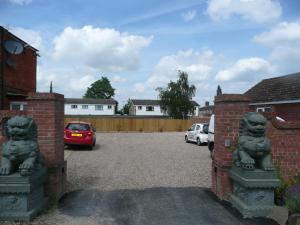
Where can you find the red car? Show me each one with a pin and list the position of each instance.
(80, 133)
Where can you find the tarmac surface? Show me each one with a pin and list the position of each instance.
(141, 179)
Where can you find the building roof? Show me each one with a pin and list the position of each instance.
(152, 102)
(19, 39)
(204, 108)
(284, 88)
(90, 101)
(15, 92)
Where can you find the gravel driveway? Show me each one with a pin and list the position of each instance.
(139, 160)
(140, 179)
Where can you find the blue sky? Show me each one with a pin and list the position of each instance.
(140, 45)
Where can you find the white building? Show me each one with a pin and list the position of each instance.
(88, 106)
(147, 107)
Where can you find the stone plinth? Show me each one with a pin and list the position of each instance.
(21, 197)
(253, 191)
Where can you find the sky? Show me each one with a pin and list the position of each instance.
(141, 45)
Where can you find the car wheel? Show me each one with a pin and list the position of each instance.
(198, 141)
(90, 147)
(94, 143)
(186, 139)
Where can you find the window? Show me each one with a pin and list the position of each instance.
(139, 107)
(263, 109)
(109, 107)
(21, 106)
(78, 126)
(205, 128)
(73, 106)
(15, 107)
(192, 127)
(99, 107)
(198, 127)
(85, 106)
(149, 108)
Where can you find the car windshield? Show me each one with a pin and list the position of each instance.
(78, 126)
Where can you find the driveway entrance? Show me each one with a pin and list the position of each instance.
(142, 179)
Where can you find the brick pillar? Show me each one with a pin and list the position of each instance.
(229, 109)
(47, 109)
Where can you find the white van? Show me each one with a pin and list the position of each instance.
(197, 133)
(211, 133)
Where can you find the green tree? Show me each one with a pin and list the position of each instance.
(100, 89)
(125, 109)
(175, 99)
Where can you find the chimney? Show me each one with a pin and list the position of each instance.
(207, 103)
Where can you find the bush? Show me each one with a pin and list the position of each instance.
(293, 198)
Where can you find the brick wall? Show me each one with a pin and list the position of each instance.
(200, 119)
(289, 112)
(48, 112)
(229, 109)
(23, 75)
(285, 140)
(47, 109)
(284, 137)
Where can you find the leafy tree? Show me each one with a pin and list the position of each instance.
(219, 90)
(125, 109)
(176, 98)
(100, 89)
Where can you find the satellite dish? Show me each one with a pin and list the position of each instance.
(11, 63)
(13, 47)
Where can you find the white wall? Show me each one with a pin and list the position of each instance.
(143, 111)
(89, 111)
(156, 112)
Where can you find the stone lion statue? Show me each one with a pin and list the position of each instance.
(21, 151)
(254, 149)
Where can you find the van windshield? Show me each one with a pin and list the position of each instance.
(205, 128)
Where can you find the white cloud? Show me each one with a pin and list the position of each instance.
(246, 70)
(139, 87)
(29, 36)
(282, 34)
(254, 10)
(118, 79)
(197, 64)
(284, 41)
(20, 2)
(105, 49)
(82, 83)
(189, 15)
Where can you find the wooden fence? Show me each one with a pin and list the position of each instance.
(130, 124)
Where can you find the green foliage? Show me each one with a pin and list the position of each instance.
(293, 204)
(176, 97)
(125, 109)
(282, 193)
(101, 89)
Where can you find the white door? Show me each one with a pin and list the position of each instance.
(197, 132)
(191, 132)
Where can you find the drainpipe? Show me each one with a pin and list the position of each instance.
(2, 92)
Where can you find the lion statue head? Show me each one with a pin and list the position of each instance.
(22, 128)
(253, 124)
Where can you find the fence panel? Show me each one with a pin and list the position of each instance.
(129, 124)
